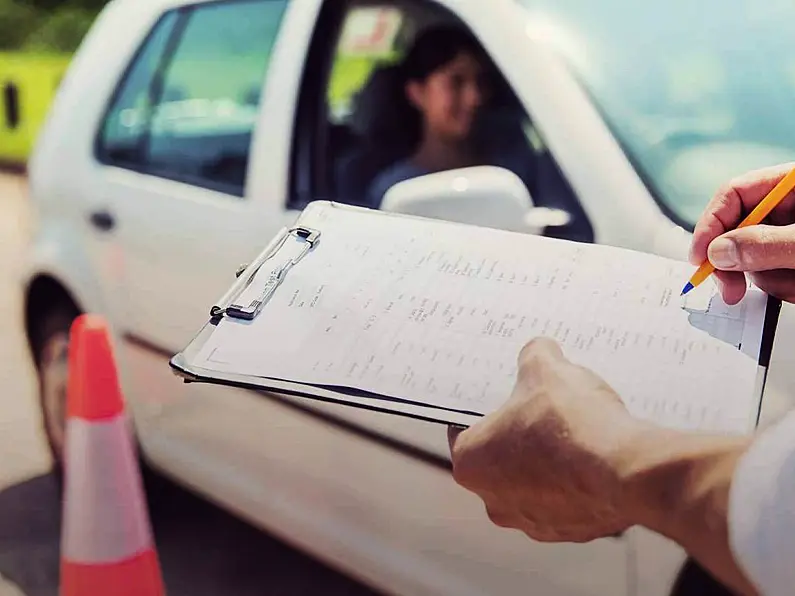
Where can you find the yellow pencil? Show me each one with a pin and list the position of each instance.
(760, 212)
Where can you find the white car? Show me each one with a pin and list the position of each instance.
(185, 134)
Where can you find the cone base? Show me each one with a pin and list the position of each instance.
(137, 576)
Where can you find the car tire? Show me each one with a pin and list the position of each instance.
(50, 346)
(694, 580)
(49, 342)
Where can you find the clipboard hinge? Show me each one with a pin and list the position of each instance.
(250, 310)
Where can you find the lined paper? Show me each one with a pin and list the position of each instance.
(437, 314)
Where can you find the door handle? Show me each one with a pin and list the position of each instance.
(102, 220)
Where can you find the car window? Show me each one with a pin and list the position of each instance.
(368, 38)
(125, 124)
(369, 127)
(690, 105)
(198, 121)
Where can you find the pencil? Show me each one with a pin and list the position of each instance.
(759, 213)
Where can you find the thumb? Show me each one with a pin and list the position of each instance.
(755, 248)
(452, 435)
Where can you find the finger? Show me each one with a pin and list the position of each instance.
(500, 517)
(543, 533)
(452, 435)
(727, 207)
(538, 355)
(755, 248)
(466, 455)
(732, 286)
(581, 530)
(780, 283)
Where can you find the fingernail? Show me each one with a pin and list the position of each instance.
(723, 253)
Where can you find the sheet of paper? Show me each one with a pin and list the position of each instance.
(438, 314)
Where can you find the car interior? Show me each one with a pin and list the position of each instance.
(373, 137)
(158, 124)
(352, 149)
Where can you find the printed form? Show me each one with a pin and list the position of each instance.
(437, 315)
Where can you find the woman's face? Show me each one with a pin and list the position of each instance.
(450, 97)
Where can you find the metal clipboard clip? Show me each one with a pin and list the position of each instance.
(228, 305)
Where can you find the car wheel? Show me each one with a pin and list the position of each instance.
(694, 580)
(50, 343)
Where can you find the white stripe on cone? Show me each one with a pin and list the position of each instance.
(105, 516)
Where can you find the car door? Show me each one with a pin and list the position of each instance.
(341, 102)
(175, 150)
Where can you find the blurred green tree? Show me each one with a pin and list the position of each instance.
(52, 5)
(61, 31)
(18, 20)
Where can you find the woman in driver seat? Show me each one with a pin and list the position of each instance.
(444, 85)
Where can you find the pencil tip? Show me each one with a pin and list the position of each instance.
(687, 288)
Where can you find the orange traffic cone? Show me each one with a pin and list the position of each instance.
(107, 547)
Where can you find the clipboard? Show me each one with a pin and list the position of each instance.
(280, 256)
(230, 305)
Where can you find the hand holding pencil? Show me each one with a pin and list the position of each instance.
(731, 240)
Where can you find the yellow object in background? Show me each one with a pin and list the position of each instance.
(30, 81)
(35, 79)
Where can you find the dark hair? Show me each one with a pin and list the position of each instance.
(432, 49)
(436, 47)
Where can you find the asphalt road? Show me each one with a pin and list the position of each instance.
(203, 551)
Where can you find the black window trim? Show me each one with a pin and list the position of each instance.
(155, 89)
(308, 171)
(310, 179)
(99, 149)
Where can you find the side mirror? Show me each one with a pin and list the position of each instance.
(486, 196)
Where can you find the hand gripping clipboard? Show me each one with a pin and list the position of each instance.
(299, 240)
(284, 253)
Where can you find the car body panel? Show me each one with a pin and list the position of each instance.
(378, 514)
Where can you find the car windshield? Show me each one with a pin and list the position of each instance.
(696, 92)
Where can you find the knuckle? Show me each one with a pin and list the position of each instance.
(767, 238)
(498, 517)
(733, 186)
(726, 199)
(727, 191)
(539, 533)
(702, 232)
(536, 354)
(759, 247)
